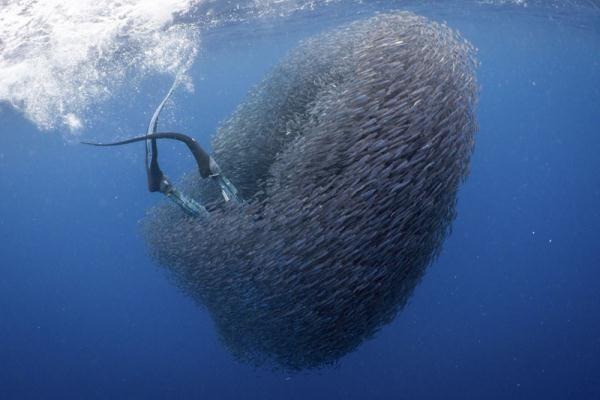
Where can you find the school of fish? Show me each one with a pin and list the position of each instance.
(349, 156)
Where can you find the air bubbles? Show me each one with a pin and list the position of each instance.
(73, 122)
(60, 59)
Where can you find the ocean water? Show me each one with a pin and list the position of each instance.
(509, 310)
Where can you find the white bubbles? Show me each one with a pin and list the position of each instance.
(58, 58)
(73, 122)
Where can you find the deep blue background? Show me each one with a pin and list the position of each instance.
(510, 310)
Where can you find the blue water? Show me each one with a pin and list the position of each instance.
(511, 309)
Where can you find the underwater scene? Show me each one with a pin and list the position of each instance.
(294, 199)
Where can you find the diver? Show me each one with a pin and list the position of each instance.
(159, 182)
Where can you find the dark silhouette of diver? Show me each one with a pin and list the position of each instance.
(159, 182)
